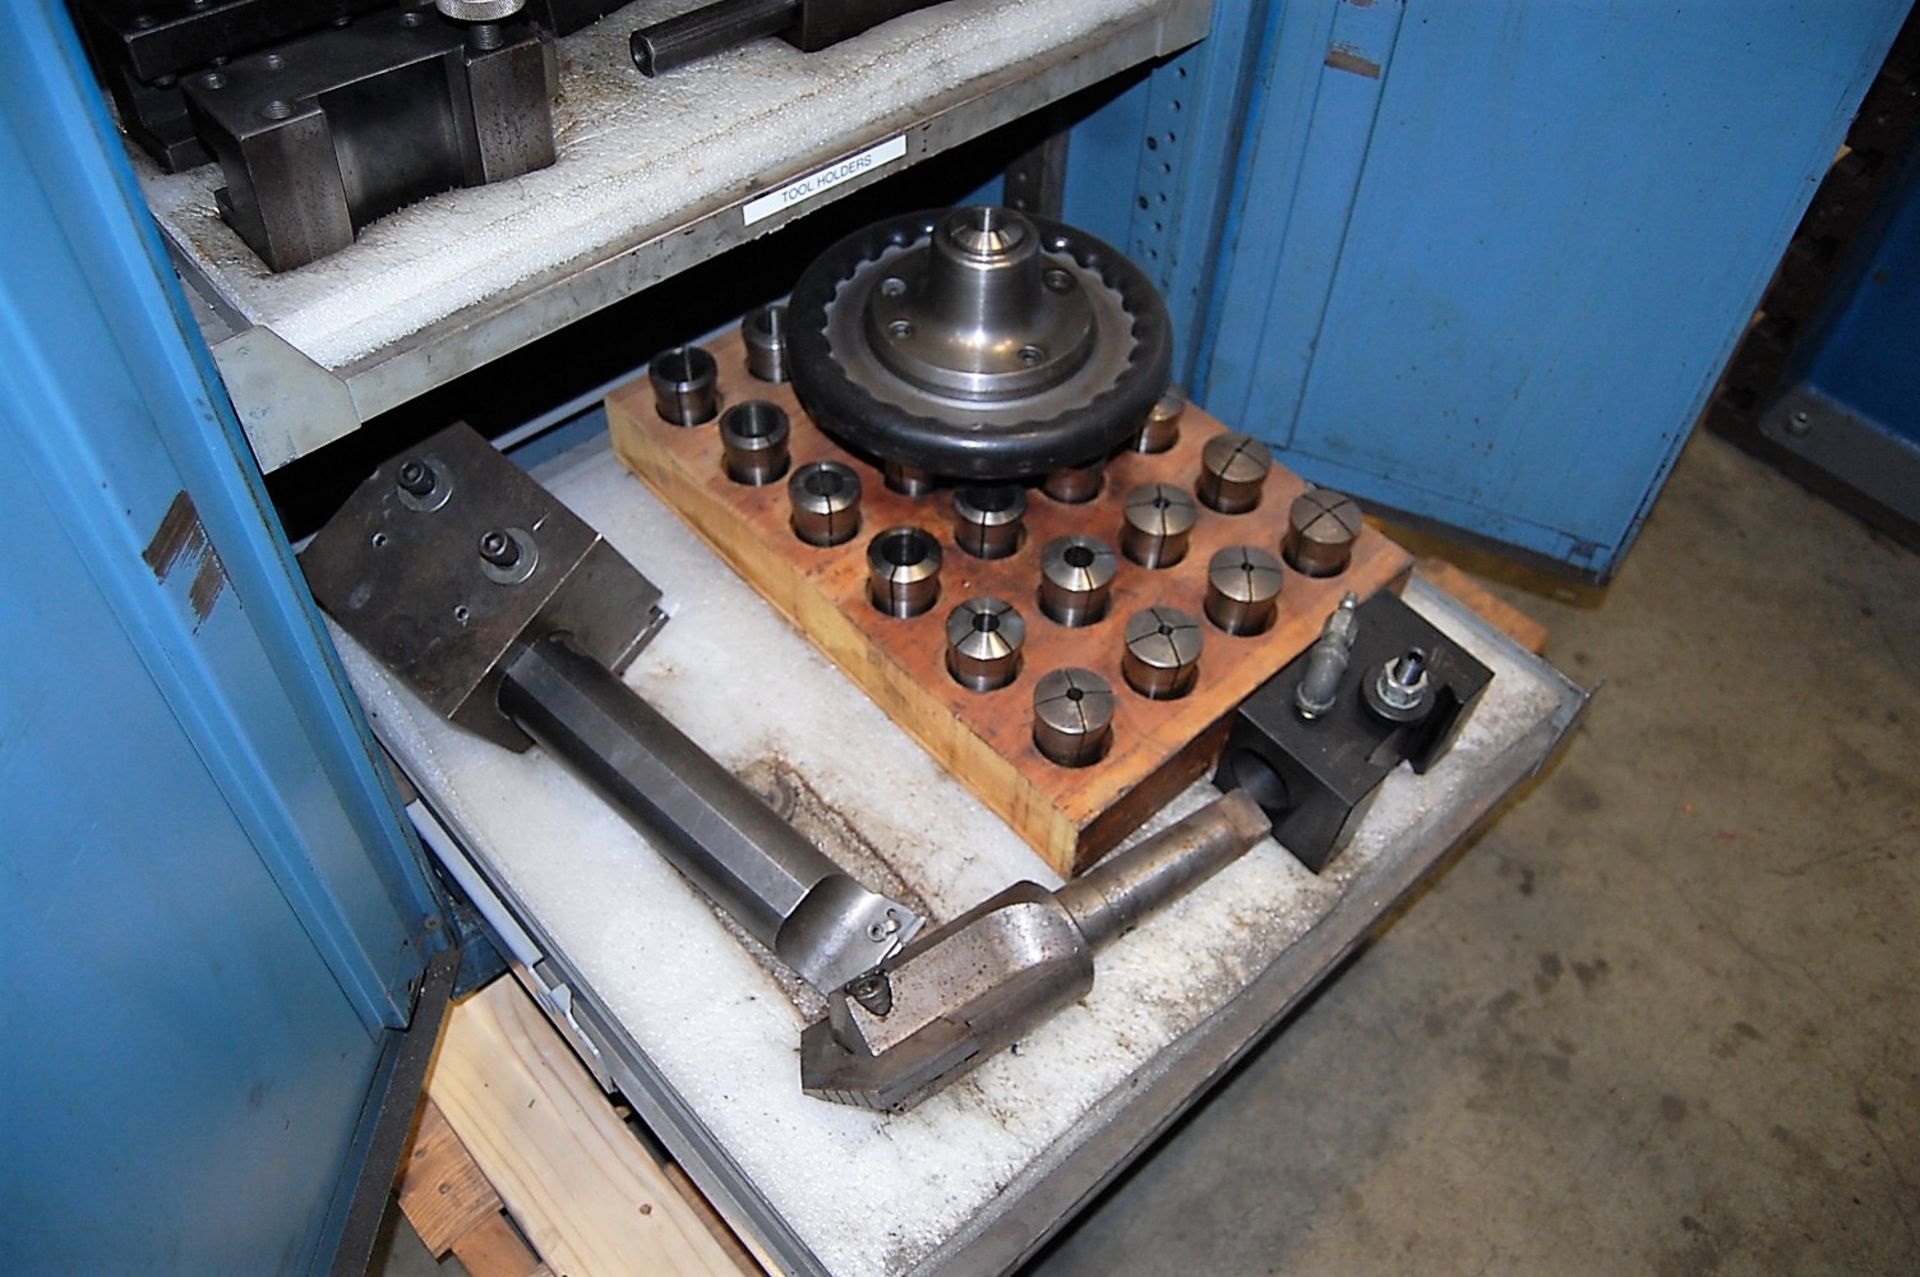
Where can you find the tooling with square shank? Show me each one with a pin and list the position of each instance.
(1314, 776)
(510, 616)
(322, 135)
(401, 571)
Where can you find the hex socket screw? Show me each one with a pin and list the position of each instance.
(1157, 526)
(903, 571)
(753, 442)
(1233, 470)
(1322, 526)
(1243, 589)
(1076, 579)
(416, 477)
(1073, 717)
(765, 332)
(826, 503)
(1076, 485)
(685, 385)
(1161, 430)
(499, 548)
(987, 520)
(908, 481)
(985, 637)
(508, 556)
(421, 485)
(1162, 657)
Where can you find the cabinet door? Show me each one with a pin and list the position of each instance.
(1479, 261)
(214, 922)
(1849, 401)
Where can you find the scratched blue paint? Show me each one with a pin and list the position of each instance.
(1315, 184)
(211, 912)
(1483, 262)
(182, 1071)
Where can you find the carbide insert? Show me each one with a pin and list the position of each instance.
(1157, 525)
(753, 442)
(1322, 526)
(1073, 717)
(984, 641)
(1076, 579)
(826, 503)
(1243, 589)
(1162, 658)
(903, 571)
(685, 390)
(1161, 429)
(1233, 469)
(987, 520)
(765, 332)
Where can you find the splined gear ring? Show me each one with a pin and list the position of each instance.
(1049, 353)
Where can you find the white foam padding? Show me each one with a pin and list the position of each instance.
(636, 157)
(870, 1194)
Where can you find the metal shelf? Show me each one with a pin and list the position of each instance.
(291, 404)
(973, 1181)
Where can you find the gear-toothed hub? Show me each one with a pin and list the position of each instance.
(978, 343)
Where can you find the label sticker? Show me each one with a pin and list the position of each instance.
(802, 189)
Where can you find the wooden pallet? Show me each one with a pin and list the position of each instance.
(455, 1210)
(1071, 816)
(519, 1156)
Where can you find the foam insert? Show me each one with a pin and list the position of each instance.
(635, 157)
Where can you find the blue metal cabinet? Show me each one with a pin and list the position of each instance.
(1479, 262)
(214, 919)
(1851, 403)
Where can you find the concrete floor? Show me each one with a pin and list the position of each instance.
(1663, 1017)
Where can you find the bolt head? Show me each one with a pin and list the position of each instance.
(499, 549)
(416, 476)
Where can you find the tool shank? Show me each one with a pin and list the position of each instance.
(783, 890)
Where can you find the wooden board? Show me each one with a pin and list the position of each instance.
(1071, 816)
(1494, 610)
(441, 1190)
(573, 1177)
(453, 1208)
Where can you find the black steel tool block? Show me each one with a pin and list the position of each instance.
(1315, 778)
